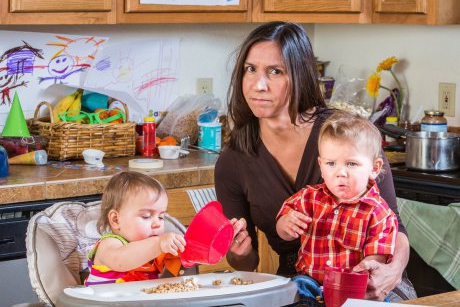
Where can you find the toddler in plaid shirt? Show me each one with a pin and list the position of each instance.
(343, 220)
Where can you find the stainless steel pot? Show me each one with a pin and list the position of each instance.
(428, 151)
(432, 151)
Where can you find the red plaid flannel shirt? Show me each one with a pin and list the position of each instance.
(341, 234)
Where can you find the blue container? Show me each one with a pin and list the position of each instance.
(4, 166)
(210, 136)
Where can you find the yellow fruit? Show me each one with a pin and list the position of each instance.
(75, 107)
(63, 105)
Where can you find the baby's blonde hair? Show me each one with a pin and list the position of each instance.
(120, 188)
(354, 129)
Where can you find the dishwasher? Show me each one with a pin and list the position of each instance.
(14, 218)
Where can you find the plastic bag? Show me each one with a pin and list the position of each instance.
(351, 95)
(182, 117)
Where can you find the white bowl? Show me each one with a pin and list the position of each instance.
(170, 151)
(93, 156)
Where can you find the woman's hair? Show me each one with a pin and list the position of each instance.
(354, 129)
(304, 92)
(119, 190)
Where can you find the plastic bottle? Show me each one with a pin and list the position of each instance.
(149, 134)
(391, 120)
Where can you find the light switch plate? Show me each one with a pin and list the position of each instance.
(204, 86)
(446, 101)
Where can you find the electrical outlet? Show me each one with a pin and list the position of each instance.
(446, 102)
(204, 86)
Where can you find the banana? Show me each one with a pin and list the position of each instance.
(63, 105)
(75, 107)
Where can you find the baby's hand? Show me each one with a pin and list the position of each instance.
(171, 242)
(292, 225)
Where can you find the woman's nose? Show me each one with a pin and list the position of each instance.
(261, 83)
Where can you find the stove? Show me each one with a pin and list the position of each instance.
(437, 188)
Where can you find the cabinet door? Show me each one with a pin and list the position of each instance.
(44, 12)
(398, 6)
(427, 12)
(135, 12)
(60, 6)
(318, 11)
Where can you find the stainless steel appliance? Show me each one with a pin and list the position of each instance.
(14, 273)
(439, 189)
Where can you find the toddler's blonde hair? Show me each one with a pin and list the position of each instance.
(354, 129)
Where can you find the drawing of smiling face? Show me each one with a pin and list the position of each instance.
(60, 65)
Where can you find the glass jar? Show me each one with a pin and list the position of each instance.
(434, 121)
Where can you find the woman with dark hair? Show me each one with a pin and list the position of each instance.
(275, 112)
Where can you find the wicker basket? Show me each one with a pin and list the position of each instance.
(67, 140)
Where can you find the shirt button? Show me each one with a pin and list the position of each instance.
(329, 237)
(336, 211)
(329, 262)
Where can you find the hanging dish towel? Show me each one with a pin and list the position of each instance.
(434, 233)
(200, 197)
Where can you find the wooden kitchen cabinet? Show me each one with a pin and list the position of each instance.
(132, 11)
(425, 12)
(180, 207)
(57, 12)
(312, 11)
(429, 12)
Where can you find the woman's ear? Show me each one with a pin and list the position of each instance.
(376, 168)
(113, 219)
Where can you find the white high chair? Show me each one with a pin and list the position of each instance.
(58, 240)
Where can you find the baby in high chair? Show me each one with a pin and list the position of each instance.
(134, 245)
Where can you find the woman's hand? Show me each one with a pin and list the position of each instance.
(383, 278)
(242, 256)
(171, 242)
(241, 245)
(292, 225)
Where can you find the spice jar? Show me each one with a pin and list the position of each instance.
(434, 121)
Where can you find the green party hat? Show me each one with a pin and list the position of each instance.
(15, 124)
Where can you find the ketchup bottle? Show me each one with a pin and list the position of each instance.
(149, 135)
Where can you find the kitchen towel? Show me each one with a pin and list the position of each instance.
(200, 197)
(434, 234)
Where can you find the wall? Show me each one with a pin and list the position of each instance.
(205, 49)
(429, 55)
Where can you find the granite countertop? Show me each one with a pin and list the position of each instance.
(76, 178)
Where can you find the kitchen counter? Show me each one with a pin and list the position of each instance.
(76, 178)
(447, 299)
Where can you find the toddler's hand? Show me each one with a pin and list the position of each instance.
(171, 242)
(292, 225)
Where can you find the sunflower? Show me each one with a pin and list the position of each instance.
(387, 64)
(373, 84)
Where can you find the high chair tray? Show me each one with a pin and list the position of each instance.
(263, 290)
